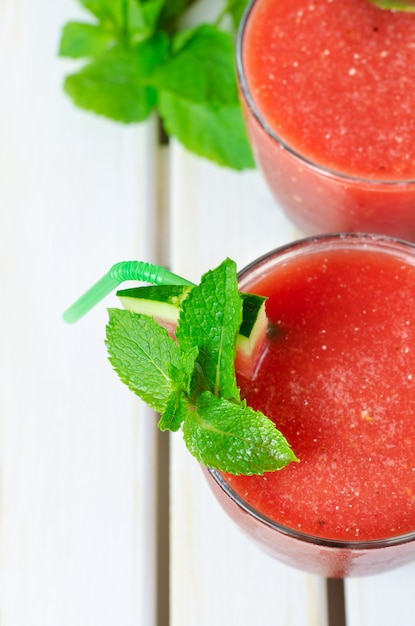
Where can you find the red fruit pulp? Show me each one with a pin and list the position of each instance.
(338, 379)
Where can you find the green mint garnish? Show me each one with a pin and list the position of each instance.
(234, 438)
(395, 5)
(191, 382)
(138, 59)
(144, 357)
(210, 320)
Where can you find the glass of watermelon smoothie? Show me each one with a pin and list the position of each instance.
(337, 376)
(328, 92)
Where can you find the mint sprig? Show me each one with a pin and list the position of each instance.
(140, 60)
(395, 5)
(191, 382)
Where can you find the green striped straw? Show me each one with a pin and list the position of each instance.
(120, 272)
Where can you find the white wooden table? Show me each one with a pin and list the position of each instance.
(102, 520)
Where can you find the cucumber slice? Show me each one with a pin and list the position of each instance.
(163, 303)
(251, 339)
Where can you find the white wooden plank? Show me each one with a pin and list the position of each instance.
(218, 576)
(77, 514)
(217, 212)
(381, 599)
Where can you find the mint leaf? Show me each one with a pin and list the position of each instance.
(175, 412)
(115, 83)
(396, 5)
(107, 11)
(188, 364)
(201, 67)
(209, 320)
(198, 99)
(142, 354)
(142, 18)
(215, 133)
(84, 40)
(234, 438)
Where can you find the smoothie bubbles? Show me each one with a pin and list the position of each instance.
(328, 91)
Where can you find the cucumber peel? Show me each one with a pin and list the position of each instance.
(252, 333)
(163, 303)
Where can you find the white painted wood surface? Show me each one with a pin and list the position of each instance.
(383, 599)
(78, 454)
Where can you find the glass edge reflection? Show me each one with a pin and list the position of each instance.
(294, 534)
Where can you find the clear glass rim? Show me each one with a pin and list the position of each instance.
(348, 239)
(250, 101)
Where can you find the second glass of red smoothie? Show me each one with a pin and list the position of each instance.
(328, 91)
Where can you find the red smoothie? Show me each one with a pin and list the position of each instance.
(328, 90)
(338, 378)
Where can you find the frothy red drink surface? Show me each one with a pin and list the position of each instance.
(336, 80)
(338, 379)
